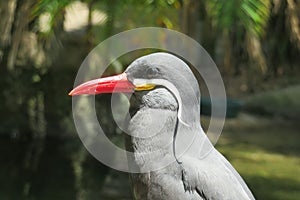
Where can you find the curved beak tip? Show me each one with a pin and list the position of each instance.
(77, 91)
(71, 93)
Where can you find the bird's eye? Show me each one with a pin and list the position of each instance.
(152, 72)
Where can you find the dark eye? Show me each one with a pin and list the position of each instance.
(152, 72)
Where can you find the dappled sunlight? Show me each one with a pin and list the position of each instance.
(255, 44)
(77, 16)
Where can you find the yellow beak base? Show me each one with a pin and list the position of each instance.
(144, 87)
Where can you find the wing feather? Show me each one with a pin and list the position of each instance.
(214, 178)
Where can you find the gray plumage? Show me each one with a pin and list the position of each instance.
(201, 172)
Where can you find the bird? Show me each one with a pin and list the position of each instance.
(175, 158)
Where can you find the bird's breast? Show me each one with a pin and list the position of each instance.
(151, 135)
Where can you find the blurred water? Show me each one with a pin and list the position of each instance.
(63, 170)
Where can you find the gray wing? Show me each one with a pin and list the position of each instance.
(214, 178)
(236, 174)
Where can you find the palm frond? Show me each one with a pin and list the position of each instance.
(252, 15)
(53, 8)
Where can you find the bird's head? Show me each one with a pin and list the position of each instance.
(148, 73)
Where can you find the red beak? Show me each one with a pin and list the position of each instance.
(111, 84)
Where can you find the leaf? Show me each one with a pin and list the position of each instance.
(253, 14)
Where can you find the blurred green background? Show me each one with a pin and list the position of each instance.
(255, 44)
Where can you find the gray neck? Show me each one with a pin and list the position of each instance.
(154, 115)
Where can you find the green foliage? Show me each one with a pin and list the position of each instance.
(153, 12)
(34, 96)
(251, 15)
(124, 15)
(161, 3)
(52, 7)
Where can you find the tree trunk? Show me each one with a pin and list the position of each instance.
(20, 25)
(7, 15)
